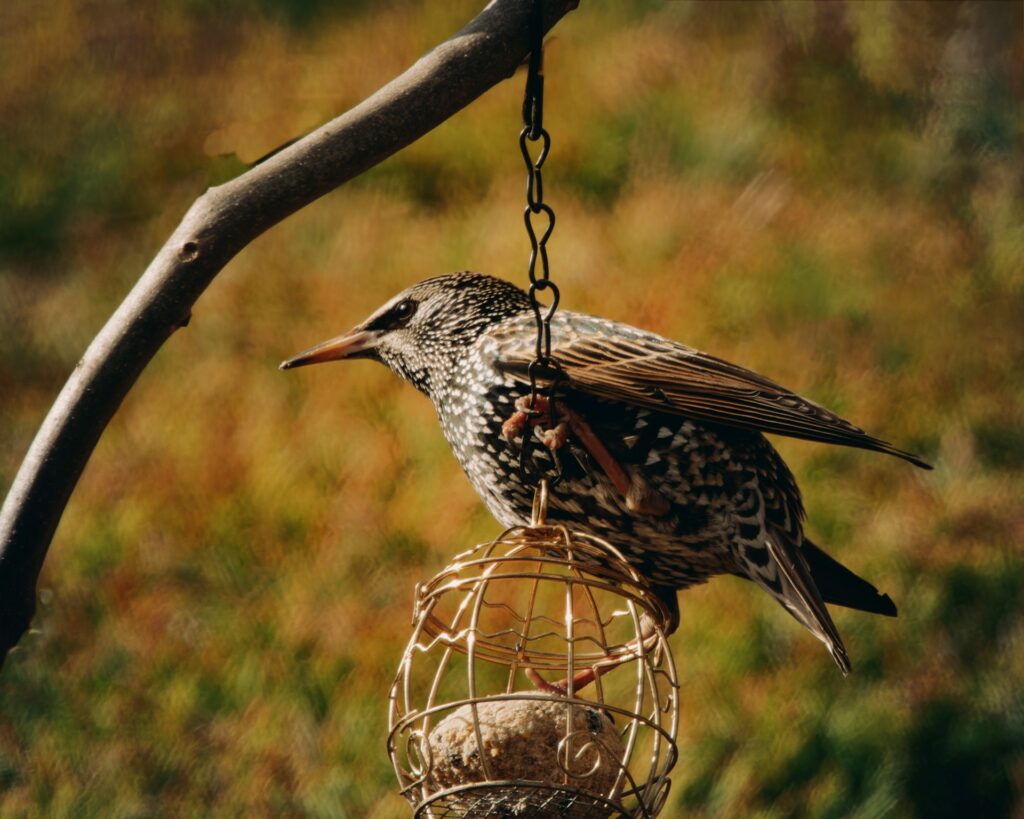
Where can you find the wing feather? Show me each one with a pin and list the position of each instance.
(619, 362)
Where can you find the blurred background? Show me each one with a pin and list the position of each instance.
(829, 193)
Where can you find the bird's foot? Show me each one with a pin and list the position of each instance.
(537, 413)
(561, 688)
(580, 680)
(616, 657)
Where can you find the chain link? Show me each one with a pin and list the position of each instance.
(544, 367)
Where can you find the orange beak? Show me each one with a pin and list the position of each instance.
(353, 344)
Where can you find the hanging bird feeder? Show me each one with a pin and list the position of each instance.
(503, 705)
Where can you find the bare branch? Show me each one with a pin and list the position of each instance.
(218, 225)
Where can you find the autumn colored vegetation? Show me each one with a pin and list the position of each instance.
(829, 193)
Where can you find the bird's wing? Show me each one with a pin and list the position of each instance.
(619, 362)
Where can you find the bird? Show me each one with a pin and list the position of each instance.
(661, 447)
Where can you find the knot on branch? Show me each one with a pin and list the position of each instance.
(189, 252)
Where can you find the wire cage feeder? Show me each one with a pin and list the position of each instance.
(537, 683)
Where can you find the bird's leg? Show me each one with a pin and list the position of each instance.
(640, 496)
(543, 685)
(615, 658)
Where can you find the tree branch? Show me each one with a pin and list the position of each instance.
(218, 225)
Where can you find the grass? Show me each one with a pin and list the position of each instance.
(833, 199)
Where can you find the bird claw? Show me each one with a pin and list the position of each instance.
(535, 414)
(514, 426)
(555, 437)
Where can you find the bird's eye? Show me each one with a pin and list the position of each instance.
(403, 311)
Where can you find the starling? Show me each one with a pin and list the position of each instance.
(661, 446)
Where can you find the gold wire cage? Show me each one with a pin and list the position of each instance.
(475, 728)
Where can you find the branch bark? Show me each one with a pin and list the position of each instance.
(218, 225)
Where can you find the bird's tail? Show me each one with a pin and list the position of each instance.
(787, 577)
(840, 586)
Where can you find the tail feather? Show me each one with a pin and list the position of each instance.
(842, 587)
(799, 594)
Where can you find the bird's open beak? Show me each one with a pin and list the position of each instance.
(351, 345)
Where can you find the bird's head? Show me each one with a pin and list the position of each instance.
(422, 333)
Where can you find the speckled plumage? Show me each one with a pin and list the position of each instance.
(686, 423)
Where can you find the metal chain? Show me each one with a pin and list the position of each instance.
(544, 366)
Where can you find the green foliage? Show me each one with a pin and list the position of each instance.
(828, 193)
